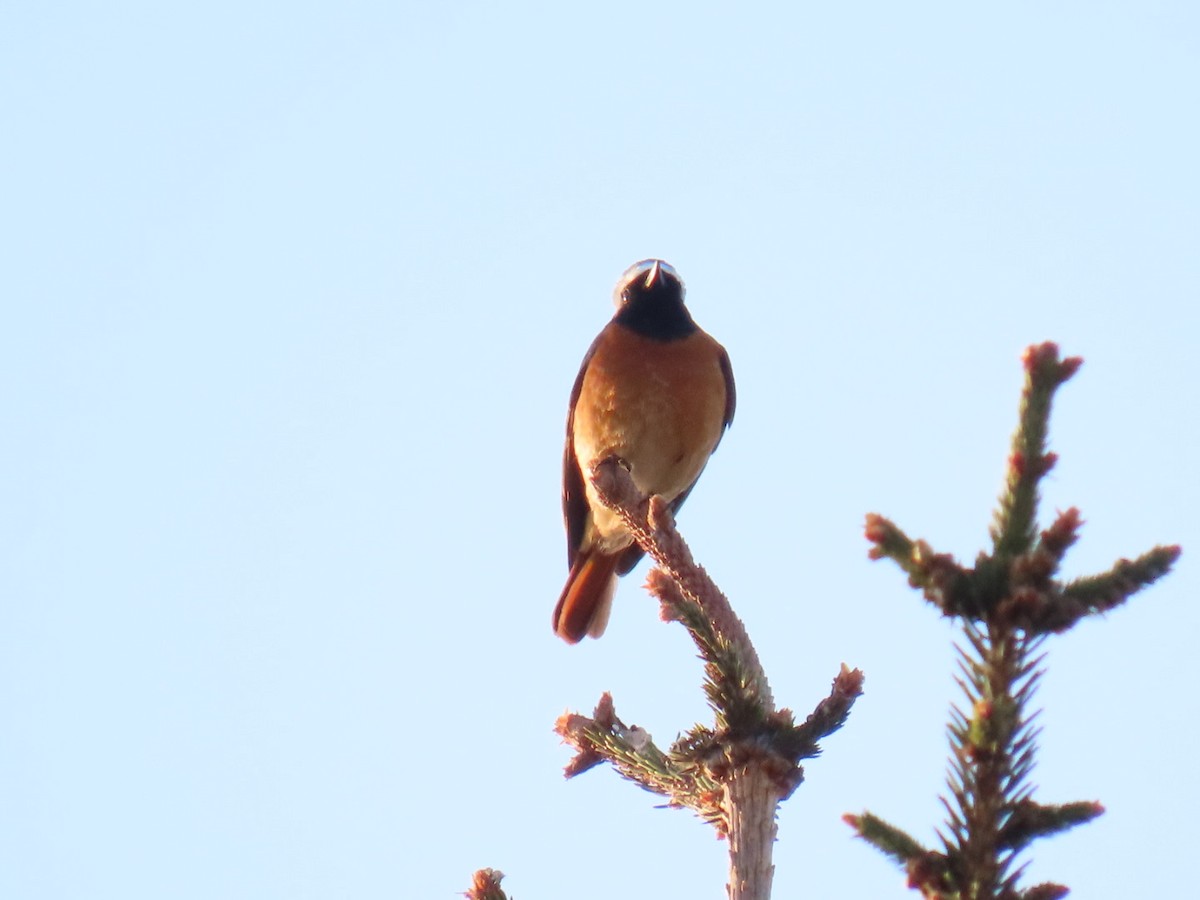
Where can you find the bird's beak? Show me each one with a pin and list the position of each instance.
(652, 275)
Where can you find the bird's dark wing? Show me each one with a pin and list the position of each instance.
(730, 392)
(574, 498)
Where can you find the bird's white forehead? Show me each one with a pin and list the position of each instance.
(641, 270)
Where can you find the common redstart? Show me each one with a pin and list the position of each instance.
(655, 392)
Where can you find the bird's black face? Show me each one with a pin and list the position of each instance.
(649, 300)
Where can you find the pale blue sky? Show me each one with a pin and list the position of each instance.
(294, 296)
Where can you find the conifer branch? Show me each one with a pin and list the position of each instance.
(1014, 523)
(1031, 820)
(1100, 593)
(1007, 603)
(700, 605)
(939, 576)
(603, 737)
(735, 773)
(899, 845)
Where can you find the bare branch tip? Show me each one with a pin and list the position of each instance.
(573, 729)
(485, 885)
(849, 682)
(1042, 362)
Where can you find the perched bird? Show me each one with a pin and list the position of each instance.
(656, 392)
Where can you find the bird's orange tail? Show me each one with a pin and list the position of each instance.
(586, 600)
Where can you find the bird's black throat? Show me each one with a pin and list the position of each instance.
(656, 312)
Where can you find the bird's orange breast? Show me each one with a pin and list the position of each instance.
(658, 405)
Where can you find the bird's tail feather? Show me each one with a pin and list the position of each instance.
(586, 600)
